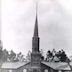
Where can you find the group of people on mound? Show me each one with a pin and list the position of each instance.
(59, 56)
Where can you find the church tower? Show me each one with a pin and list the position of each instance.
(35, 39)
(35, 55)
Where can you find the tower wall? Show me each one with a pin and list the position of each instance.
(35, 44)
(35, 55)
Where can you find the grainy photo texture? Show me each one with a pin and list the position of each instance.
(36, 36)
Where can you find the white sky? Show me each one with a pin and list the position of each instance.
(55, 24)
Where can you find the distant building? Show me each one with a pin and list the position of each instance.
(36, 64)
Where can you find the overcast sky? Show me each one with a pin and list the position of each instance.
(54, 21)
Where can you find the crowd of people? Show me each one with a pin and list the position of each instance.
(57, 56)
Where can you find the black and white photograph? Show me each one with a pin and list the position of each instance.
(35, 35)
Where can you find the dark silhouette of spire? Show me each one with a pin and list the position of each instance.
(36, 24)
(35, 39)
(36, 27)
(35, 55)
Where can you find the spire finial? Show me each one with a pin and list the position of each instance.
(36, 7)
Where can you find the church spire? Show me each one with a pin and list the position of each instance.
(35, 39)
(35, 55)
(36, 27)
(36, 24)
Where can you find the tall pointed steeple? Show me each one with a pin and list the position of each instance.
(36, 27)
(35, 55)
(36, 24)
(35, 40)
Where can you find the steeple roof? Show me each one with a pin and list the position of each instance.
(36, 23)
(36, 27)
